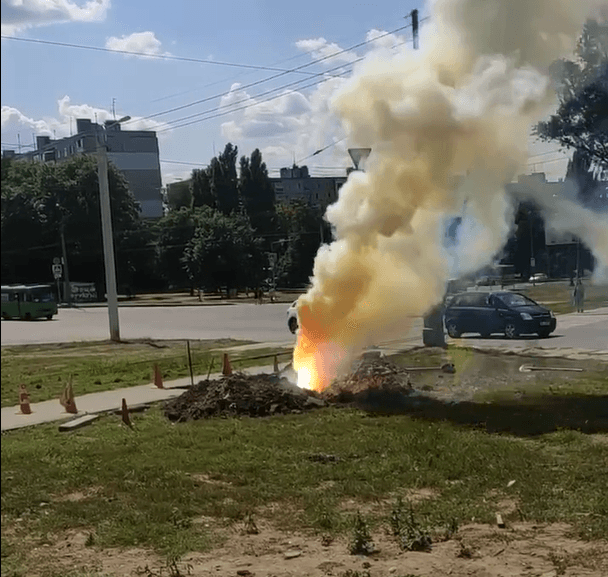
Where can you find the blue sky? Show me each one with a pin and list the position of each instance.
(44, 86)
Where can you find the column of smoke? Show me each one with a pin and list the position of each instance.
(449, 127)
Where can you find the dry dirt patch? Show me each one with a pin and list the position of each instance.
(523, 549)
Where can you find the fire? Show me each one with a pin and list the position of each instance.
(308, 363)
(315, 358)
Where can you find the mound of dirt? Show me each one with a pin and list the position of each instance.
(373, 380)
(240, 394)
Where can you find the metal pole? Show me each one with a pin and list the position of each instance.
(67, 289)
(108, 241)
(578, 258)
(190, 363)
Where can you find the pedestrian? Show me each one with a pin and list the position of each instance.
(579, 296)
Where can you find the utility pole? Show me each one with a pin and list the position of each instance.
(67, 288)
(414, 16)
(108, 240)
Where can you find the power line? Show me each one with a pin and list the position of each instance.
(212, 116)
(278, 88)
(157, 56)
(321, 149)
(273, 77)
(282, 87)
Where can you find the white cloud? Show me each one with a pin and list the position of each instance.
(142, 42)
(321, 48)
(293, 124)
(379, 39)
(15, 122)
(18, 15)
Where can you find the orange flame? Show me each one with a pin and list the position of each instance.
(315, 359)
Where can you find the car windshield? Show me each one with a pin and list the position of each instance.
(516, 300)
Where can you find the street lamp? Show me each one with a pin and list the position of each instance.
(106, 230)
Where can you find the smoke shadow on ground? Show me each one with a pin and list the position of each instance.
(528, 417)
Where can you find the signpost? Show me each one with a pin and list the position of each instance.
(57, 273)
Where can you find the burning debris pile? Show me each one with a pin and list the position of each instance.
(374, 380)
(240, 394)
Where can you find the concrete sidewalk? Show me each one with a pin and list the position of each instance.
(105, 401)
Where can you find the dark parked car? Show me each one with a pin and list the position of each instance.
(497, 312)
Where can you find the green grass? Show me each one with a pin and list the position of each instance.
(103, 366)
(557, 296)
(149, 487)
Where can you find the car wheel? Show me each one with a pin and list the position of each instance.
(544, 334)
(511, 331)
(5, 317)
(28, 317)
(292, 323)
(453, 330)
(49, 317)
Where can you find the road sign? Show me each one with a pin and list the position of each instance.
(57, 271)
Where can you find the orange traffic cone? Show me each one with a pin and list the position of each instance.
(126, 419)
(276, 364)
(227, 368)
(24, 401)
(67, 400)
(158, 377)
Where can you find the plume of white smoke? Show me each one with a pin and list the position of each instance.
(448, 125)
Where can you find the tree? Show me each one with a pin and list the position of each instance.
(581, 120)
(200, 189)
(175, 231)
(179, 194)
(302, 228)
(257, 192)
(224, 182)
(42, 200)
(224, 252)
(580, 173)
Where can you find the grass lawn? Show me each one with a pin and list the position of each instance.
(558, 295)
(103, 366)
(175, 488)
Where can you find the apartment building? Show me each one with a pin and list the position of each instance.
(134, 152)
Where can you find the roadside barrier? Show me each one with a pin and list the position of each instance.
(227, 367)
(126, 419)
(24, 401)
(158, 377)
(67, 400)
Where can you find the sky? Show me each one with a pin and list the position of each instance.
(197, 107)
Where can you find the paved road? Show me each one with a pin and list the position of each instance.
(253, 322)
(260, 323)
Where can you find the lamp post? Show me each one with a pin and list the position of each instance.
(106, 230)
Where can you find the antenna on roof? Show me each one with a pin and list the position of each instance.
(71, 133)
(114, 108)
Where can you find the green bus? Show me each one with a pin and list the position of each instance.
(28, 302)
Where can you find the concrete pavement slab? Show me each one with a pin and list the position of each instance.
(104, 401)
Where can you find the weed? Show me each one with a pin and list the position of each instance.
(465, 552)
(353, 573)
(361, 542)
(451, 528)
(90, 541)
(250, 527)
(408, 532)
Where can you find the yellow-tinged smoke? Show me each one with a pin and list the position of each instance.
(448, 126)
